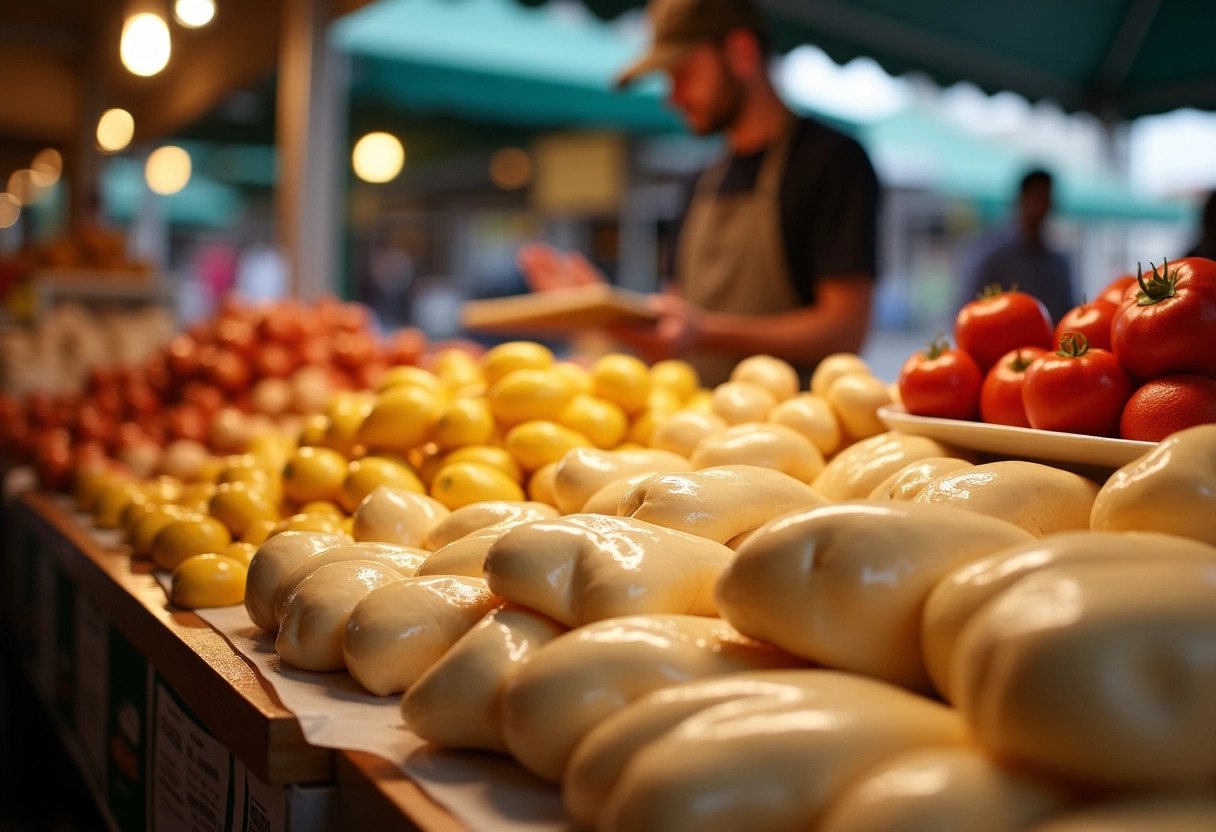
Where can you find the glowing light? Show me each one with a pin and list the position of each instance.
(21, 186)
(115, 129)
(194, 13)
(46, 168)
(168, 170)
(145, 44)
(378, 157)
(510, 168)
(10, 210)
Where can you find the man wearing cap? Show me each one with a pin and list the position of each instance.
(776, 251)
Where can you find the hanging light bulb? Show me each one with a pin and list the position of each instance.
(167, 170)
(145, 44)
(378, 157)
(194, 13)
(114, 130)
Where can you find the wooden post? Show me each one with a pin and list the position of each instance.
(310, 128)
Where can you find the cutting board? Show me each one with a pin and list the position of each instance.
(557, 310)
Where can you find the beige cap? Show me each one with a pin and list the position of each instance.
(682, 25)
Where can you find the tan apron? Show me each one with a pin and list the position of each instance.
(731, 256)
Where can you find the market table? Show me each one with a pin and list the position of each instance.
(169, 725)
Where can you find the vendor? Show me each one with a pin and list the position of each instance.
(776, 251)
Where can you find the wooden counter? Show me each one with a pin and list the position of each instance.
(49, 548)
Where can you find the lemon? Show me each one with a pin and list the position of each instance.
(663, 400)
(346, 414)
(675, 375)
(240, 551)
(504, 359)
(237, 504)
(465, 421)
(210, 469)
(314, 474)
(365, 475)
(643, 427)
(539, 441)
(270, 450)
(529, 394)
(139, 506)
(578, 375)
(163, 488)
(194, 534)
(462, 483)
(112, 500)
(407, 375)
(322, 507)
(601, 421)
(622, 379)
(541, 484)
(89, 483)
(401, 418)
(490, 455)
(208, 580)
(257, 532)
(326, 523)
(145, 529)
(198, 491)
(456, 368)
(314, 429)
(702, 401)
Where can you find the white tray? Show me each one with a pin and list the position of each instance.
(1023, 443)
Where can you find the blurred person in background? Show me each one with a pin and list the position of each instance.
(1206, 247)
(776, 252)
(1020, 258)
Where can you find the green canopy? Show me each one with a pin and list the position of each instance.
(1115, 58)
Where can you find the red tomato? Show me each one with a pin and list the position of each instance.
(941, 382)
(1167, 405)
(1076, 389)
(1169, 326)
(1000, 321)
(1091, 319)
(1001, 393)
(1117, 288)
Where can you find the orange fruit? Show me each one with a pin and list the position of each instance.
(1167, 405)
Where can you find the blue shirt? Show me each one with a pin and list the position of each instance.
(1010, 259)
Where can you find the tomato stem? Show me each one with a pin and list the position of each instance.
(1020, 362)
(1073, 345)
(937, 346)
(994, 290)
(1162, 286)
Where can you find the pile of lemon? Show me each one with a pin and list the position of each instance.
(469, 430)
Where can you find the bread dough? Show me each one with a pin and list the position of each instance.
(402, 559)
(314, 620)
(476, 516)
(718, 503)
(584, 471)
(271, 563)
(861, 467)
(584, 676)
(399, 630)
(397, 515)
(844, 585)
(457, 702)
(765, 444)
(585, 567)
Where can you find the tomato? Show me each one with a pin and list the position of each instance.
(1167, 405)
(1169, 326)
(1001, 393)
(941, 382)
(1000, 321)
(1076, 389)
(1117, 288)
(1092, 319)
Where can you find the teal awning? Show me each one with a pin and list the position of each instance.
(1115, 58)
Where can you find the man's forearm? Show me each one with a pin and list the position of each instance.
(801, 336)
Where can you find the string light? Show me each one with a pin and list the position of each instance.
(145, 44)
(115, 129)
(378, 157)
(194, 13)
(167, 170)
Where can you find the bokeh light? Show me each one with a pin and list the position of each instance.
(21, 186)
(168, 170)
(510, 168)
(46, 168)
(145, 44)
(10, 210)
(115, 129)
(378, 157)
(194, 13)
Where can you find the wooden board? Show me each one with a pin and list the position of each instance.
(202, 668)
(376, 795)
(558, 310)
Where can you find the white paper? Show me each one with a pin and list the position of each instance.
(484, 791)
